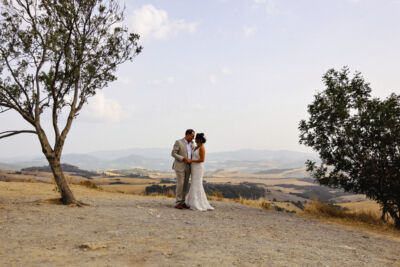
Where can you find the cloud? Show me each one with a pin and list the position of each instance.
(153, 23)
(199, 107)
(226, 70)
(125, 80)
(170, 79)
(101, 109)
(269, 5)
(158, 82)
(155, 82)
(248, 31)
(213, 79)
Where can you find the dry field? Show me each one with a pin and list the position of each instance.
(127, 230)
(361, 206)
(292, 173)
(281, 189)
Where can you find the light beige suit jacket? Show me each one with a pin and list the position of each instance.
(179, 152)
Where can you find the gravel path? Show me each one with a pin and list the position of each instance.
(122, 230)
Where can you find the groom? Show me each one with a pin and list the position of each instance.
(182, 152)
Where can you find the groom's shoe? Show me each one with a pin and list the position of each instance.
(185, 206)
(179, 206)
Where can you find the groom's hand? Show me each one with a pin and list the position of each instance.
(186, 160)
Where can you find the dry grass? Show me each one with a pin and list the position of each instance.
(169, 194)
(364, 219)
(89, 184)
(256, 203)
(134, 189)
(216, 196)
(260, 203)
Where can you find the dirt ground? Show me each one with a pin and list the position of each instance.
(126, 230)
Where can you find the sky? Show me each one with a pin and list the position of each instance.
(241, 71)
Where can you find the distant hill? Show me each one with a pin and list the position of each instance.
(245, 160)
(11, 167)
(272, 171)
(65, 168)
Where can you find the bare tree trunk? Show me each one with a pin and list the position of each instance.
(67, 196)
(395, 217)
(384, 210)
(53, 157)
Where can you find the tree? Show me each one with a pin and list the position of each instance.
(357, 138)
(54, 55)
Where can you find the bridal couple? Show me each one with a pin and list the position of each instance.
(189, 161)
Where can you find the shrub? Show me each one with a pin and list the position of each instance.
(89, 184)
(327, 210)
(265, 205)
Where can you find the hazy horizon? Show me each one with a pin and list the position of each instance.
(242, 72)
(39, 154)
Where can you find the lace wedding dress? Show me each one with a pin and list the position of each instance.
(197, 199)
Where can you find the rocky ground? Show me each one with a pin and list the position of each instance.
(127, 230)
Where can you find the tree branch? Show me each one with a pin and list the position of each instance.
(11, 133)
(2, 110)
(11, 102)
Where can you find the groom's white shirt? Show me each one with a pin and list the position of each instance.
(189, 149)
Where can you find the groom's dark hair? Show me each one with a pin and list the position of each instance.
(189, 131)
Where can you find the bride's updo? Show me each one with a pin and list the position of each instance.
(200, 137)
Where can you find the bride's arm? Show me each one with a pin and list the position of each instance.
(202, 154)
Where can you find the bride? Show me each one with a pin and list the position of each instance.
(197, 199)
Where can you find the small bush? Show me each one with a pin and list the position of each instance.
(166, 181)
(265, 205)
(89, 184)
(298, 204)
(325, 209)
(278, 208)
(156, 189)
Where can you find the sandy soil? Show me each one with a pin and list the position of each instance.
(126, 230)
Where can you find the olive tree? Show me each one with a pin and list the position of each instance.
(357, 138)
(54, 55)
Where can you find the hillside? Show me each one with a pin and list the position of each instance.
(65, 167)
(282, 187)
(245, 160)
(126, 230)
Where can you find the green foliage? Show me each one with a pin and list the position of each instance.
(357, 138)
(54, 55)
(55, 47)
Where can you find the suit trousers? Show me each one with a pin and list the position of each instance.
(182, 184)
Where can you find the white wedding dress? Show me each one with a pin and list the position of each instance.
(197, 199)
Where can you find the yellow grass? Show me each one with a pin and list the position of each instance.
(44, 191)
(368, 205)
(365, 218)
(136, 189)
(259, 203)
(169, 194)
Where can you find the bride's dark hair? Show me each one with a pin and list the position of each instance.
(201, 138)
